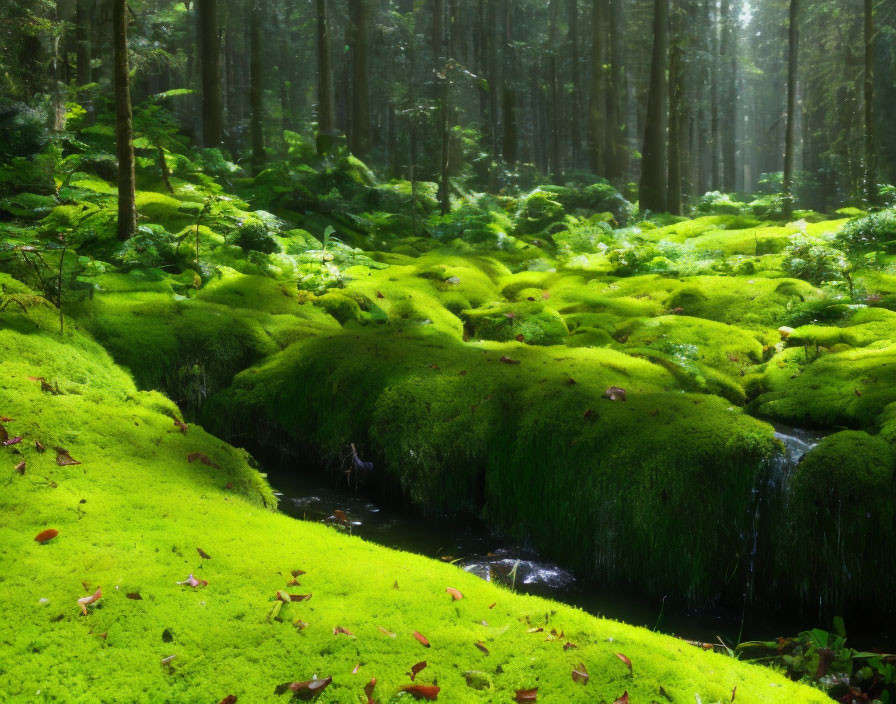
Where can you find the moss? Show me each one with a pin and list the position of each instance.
(840, 513)
(532, 323)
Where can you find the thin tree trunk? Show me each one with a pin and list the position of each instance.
(676, 103)
(728, 96)
(359, 14)
(555, 167)
(509, 94)
(210, 60)
(326, 102)
(871, 195)
(617, 156)
(790, 134)
(653, 184)
(575, 139)
(595, 121)
(256, 89)
(124, 141)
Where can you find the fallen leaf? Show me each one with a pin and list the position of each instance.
(379, 295)
(182, 427)
(355, 669)
(416, 669)
(545, 295)
(665, 694)
(615, 393)
(733, 693)
(312, 687)
(625, 660)
(420, 637)
(191, 581)
(422, 691)
(63, 459)
(203, 554)
(569, 646)
(588, 414)
(202, 457)
(455, 594)
(493, 604)
(368, 689)
(339, 630)
(537, 629)
(508, 360)
(46, 535)
(623, 699)
(4, 419)
(134, 596)
(39, 446)
(520, 337)
(570, 382)
(86, 601)
(580, 674)
(385, 632)
(298, 573)
(825, 658)
(20, 467)
(15, 441)
(299, 597)
(167, 661)
(300, 624)
(341, 517)
(526, 695)
(479, 644)
(229, 699)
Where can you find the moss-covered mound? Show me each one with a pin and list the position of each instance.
(108, 468)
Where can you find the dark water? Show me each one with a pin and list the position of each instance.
(466, 541)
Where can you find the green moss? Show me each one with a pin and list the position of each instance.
(532, 323)
(840, 514)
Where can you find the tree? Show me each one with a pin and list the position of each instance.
(870, 156)
(359, 18)
(124, 135)
(210, 60)
(326, 101)
(597, 97)
(256, 92)
(790, 134)
(653, 186)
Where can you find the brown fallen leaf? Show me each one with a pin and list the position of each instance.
(39, 446)
(299, 597)
(311, 687)
(191, 581)
(520, 337)
(623, 699)
(300, 624)
(341, 517)
(86, 601)
(625, 660)
(420, 637)
(526, 695)
(493, 604)
(416, 669)
(569, 646)
(479, 644)
(203, 554)
(9, 442)
(665, 694)
(615, 393)
(4, 419)
(537, 629)
(20, 467)
(180, 425)
(135, 596)
(63, 459)
(580, 674)
(229, 699)
(202, 457)
(455, 594)
(382, 630)
(298, 573)
(733, 693)
(166, 662)
(339, 630)
(46, 535)
(379, 295)
(508, 360)
(422, 691)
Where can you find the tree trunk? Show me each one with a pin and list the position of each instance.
(493, 71)
(575, 140)
(256, 89)
(124, 139)
(790, 134)
(728, 98)
(871, 195)
(82, 43)
(359, 13)
(653, 184)
(595, 123)
(676, 103)
(326, 102)
(555, 168)
(509, 94)
(617, 154)
(210, 60)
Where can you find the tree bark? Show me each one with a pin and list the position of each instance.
(555, 168)
(653, 184)
(871, 195)
(359, 13)
(124, 140)
(617, 154)
(575, 140)
(595, 121)
(508, 93)
(790, 134)
(728, 99)
(256, 89)
(210, 60)
(676, 103)
(326, 102)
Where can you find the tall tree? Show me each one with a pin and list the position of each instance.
(326, 99)
(256, 89)
(597, 96)
(124, 135)
(572, 11)
(793, 46)
(359, 13)
(616, 152)
(676, 116)
(653, 186)
(727, 97)
(870, 156)
(210, 61)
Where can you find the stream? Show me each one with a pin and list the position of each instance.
(466, 541)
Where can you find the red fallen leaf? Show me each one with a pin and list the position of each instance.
(569, 646)
(625, 660)
(203, 554)
(614, 393)
(623, 699)
(180, 425)
(416, 669)
(420, 637)
(134, 595)
(520, 337)
(86, 601)
(191, 581)
(300, 624)
(4, 419)
(492, 605)
(312, 687)
(63, 459)
(479, 644)
(46, 388)
(422, 691)
(455, 595)
(229, 699)
(825, 658)
(298, 573)
(355, 669)
(341, 517)
(20, 467)
(46, 535)
(202, 457)
(508, 360)
(299, 597)
(580, 674)
(368, 689)
(39, 446)
(526, 695)
(379, 295)
(7, 441)
(339, 630)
